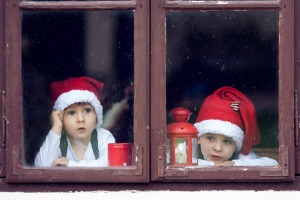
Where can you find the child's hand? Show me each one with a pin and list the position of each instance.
(62, 161)
(56, 121)
(225, 163)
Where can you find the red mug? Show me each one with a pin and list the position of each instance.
(119, 154)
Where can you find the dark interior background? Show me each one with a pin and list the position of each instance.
(210, 49)
(205, 50)
(61, 44)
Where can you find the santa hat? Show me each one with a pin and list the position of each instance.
(229, 112)
(76, 90)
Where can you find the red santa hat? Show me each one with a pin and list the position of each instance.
(229, 112)
(76, 90)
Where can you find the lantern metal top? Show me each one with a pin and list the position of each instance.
(180, 114)
(180, 126)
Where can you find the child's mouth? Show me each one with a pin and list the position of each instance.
(215, 157)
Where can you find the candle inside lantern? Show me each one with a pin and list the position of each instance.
(180, 155)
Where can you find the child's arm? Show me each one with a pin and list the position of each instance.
(202, 162)
(49, 151)
(210, 163)
(224, 163)
(253, 160)
(250, 160)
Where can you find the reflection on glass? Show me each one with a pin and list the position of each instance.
(168, 150)
(57, 45)
(210, 49)
(194, 150)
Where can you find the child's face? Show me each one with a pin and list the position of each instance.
(217, 147)
(79, 120)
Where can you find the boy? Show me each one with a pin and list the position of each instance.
(76, 138)
(228, 129)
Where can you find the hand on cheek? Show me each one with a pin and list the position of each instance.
(56, 121)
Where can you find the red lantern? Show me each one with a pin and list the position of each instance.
(183, 139)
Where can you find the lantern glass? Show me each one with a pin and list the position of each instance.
(195, 150)
(181, 151)
(168, 151)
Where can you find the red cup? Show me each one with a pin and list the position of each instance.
(119, 154)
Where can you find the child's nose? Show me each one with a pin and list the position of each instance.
(80, 117)
(218, 146)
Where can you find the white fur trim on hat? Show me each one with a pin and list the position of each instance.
(76, 96)
(221, 127)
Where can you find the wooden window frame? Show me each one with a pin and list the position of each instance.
(15, 171)
(11, 123)
(286, 169)
(2, 85)
(297, 84)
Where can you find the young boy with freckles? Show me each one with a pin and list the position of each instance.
(76, 138)
(228, 129)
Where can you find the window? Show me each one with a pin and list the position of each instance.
(58, 40)
(206, 45)
(163, 54)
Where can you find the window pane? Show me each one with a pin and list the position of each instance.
(57, 45)
(210, 49)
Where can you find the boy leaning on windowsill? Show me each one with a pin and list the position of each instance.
(228, 129)
(76, 138)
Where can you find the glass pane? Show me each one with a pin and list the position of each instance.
(181, 151)
(194, 150)
(168, 151)
(57, 45)
(210, 49)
